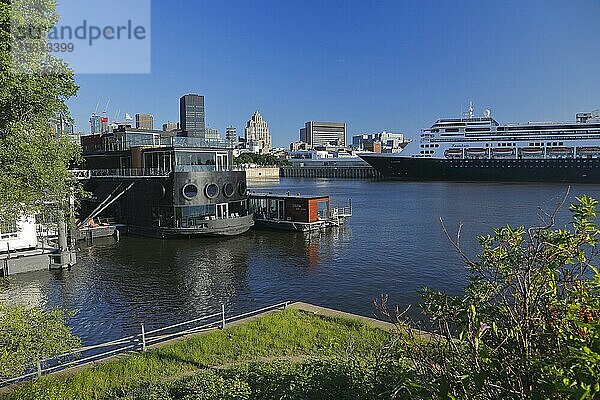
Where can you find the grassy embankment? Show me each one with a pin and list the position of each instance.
(287, 334)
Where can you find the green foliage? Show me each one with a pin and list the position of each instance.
(33, 161)
(330, 378)
(528, 325)
(31, 335)
(260, 159)
(286, 333)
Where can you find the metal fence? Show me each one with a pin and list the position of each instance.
(136, 343)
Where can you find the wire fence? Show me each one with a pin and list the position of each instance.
(136, 343)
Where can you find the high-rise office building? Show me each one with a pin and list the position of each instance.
(258, 138)
(231, 136)
(191, 115)
(97, 124)
(144, 121)
(324, 133)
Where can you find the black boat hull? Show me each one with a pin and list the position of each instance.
(580, 170)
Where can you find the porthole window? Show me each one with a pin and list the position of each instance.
(159, 191)
(242, 188)
(190, 191)
(211, 190)
(228, 189)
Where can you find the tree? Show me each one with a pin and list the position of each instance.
(34, 86)
(30, 335)
(260, 159)
(528, 324)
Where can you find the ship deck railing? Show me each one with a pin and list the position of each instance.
(150, 172)
(129, 173)
(341, 212)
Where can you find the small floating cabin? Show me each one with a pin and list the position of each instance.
(295, 212)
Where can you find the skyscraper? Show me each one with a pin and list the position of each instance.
(191, 115)
(231, 136)
(144, 121)
(323, 133)
(258, 138)
(95, 126)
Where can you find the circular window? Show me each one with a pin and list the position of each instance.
(211, 190)
(242, 188)
(159, 191)
(190, 191)
(228, 189)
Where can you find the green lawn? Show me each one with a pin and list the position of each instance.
(282, 334)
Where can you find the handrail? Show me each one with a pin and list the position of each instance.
(137, 342)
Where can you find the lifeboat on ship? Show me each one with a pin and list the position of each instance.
(532, 152)
(588, 151)
(475, 152)
(560, 151)
(502, 152)
(453, 153)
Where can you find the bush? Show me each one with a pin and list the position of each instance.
(528, 325)
(333, 378)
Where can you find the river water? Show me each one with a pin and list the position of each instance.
(392, 245)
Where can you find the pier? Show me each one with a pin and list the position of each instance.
(337, 172)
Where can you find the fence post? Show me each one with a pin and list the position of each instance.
(39, 368)
(222, 316)
(143, 338)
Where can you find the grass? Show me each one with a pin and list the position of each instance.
(282, 334)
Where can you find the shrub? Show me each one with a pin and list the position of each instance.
(528, 324)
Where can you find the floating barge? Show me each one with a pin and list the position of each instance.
(296, 212)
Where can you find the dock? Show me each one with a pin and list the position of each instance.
(336, 172)
(39, 259)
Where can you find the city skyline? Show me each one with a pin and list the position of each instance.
(395, 67)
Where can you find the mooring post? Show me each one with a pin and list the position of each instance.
(222, 316)
(143, 338)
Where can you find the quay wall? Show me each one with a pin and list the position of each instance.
(341, 172)
(22, 264)
(262, 173)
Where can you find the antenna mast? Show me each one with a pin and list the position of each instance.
(471, 113)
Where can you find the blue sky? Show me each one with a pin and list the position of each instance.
(377, 65)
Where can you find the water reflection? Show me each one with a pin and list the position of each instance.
(393, 244)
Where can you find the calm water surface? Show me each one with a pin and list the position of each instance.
(393, 244)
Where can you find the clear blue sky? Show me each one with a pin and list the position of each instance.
(394, 65)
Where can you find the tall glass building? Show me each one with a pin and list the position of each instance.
(191, 115)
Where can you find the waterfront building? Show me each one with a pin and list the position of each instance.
(170, 126)
(163, 185)
(20, 235)
(191, 115)
(324, 133)
(389, 141)
(144, 121)
(257, 135)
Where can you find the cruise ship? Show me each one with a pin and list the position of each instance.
(480, 149)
